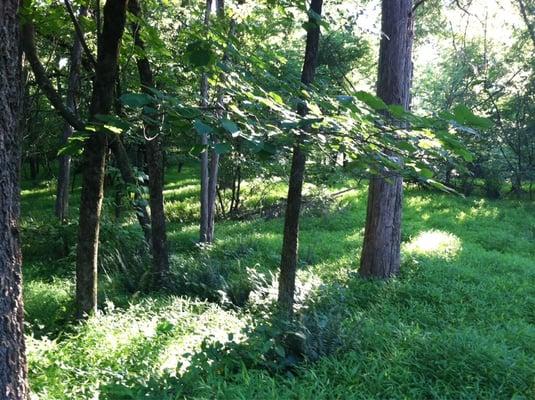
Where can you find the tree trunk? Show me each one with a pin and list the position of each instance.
(13, 372)
(382, 236)
(210, 158)
(212, 193)
(62, 193)
(289, 254)
(205, 165)
(155, 164)
(123, 163)
(95, 158)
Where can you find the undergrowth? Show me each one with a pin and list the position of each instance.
(459, 323)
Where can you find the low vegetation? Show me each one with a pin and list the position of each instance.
(457, 323)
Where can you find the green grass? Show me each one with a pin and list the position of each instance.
(459, 323)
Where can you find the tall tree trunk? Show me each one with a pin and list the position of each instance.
(290, 240)
(95, 158)
(155, 164)
(205, 165)
(382, 236)
(210, 158)
(12, 348)
(62, 193)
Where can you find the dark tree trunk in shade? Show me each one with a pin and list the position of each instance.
(123, 164)
(155, 165)
(95, 150)
(382, 236)
(62, 192)
(289, 256)
(13, 373)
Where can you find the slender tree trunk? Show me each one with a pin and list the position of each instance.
(382, 236)
(213, 173)
(155, 164)
(62, 193)
(205, 165)
(13, 373)
(212, 193)
(95, 158)
(123, 163)
(290, 240)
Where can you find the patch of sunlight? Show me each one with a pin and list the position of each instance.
(35, 191)
(189, 189)
(434, 243)
(181, 183)
(418, 201)
(481, 209)
(214, 324)
(462, 216)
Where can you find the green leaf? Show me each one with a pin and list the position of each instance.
(202, 128)
(398, 111)
(74, 146)
(136, 99)
(222, 148)
(197, 149)
(464, 115)
(113, 123)
(230, 127)
(278, 99)
(200, 54)
(371, 101)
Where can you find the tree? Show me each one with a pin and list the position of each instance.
(95, 149)
(53, 96)
(295, 188)
(155, 163)
(12, 349)
(382, 236)
(62, 191)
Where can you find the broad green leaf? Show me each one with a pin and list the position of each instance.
(230, 127)
(200, 54)
(372, 101)
(222, 148)
(202, 128)
(135, 99)
(464, 115)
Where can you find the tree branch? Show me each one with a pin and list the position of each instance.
(42, 79)
(80, 34)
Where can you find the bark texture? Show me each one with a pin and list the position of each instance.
(382, 236)
(12, 348)
(155, 164)
(95, 158)
(62, 193)
(289, 256)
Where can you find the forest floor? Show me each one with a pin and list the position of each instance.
(459, 323)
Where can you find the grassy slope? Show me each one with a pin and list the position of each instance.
(459, 323)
